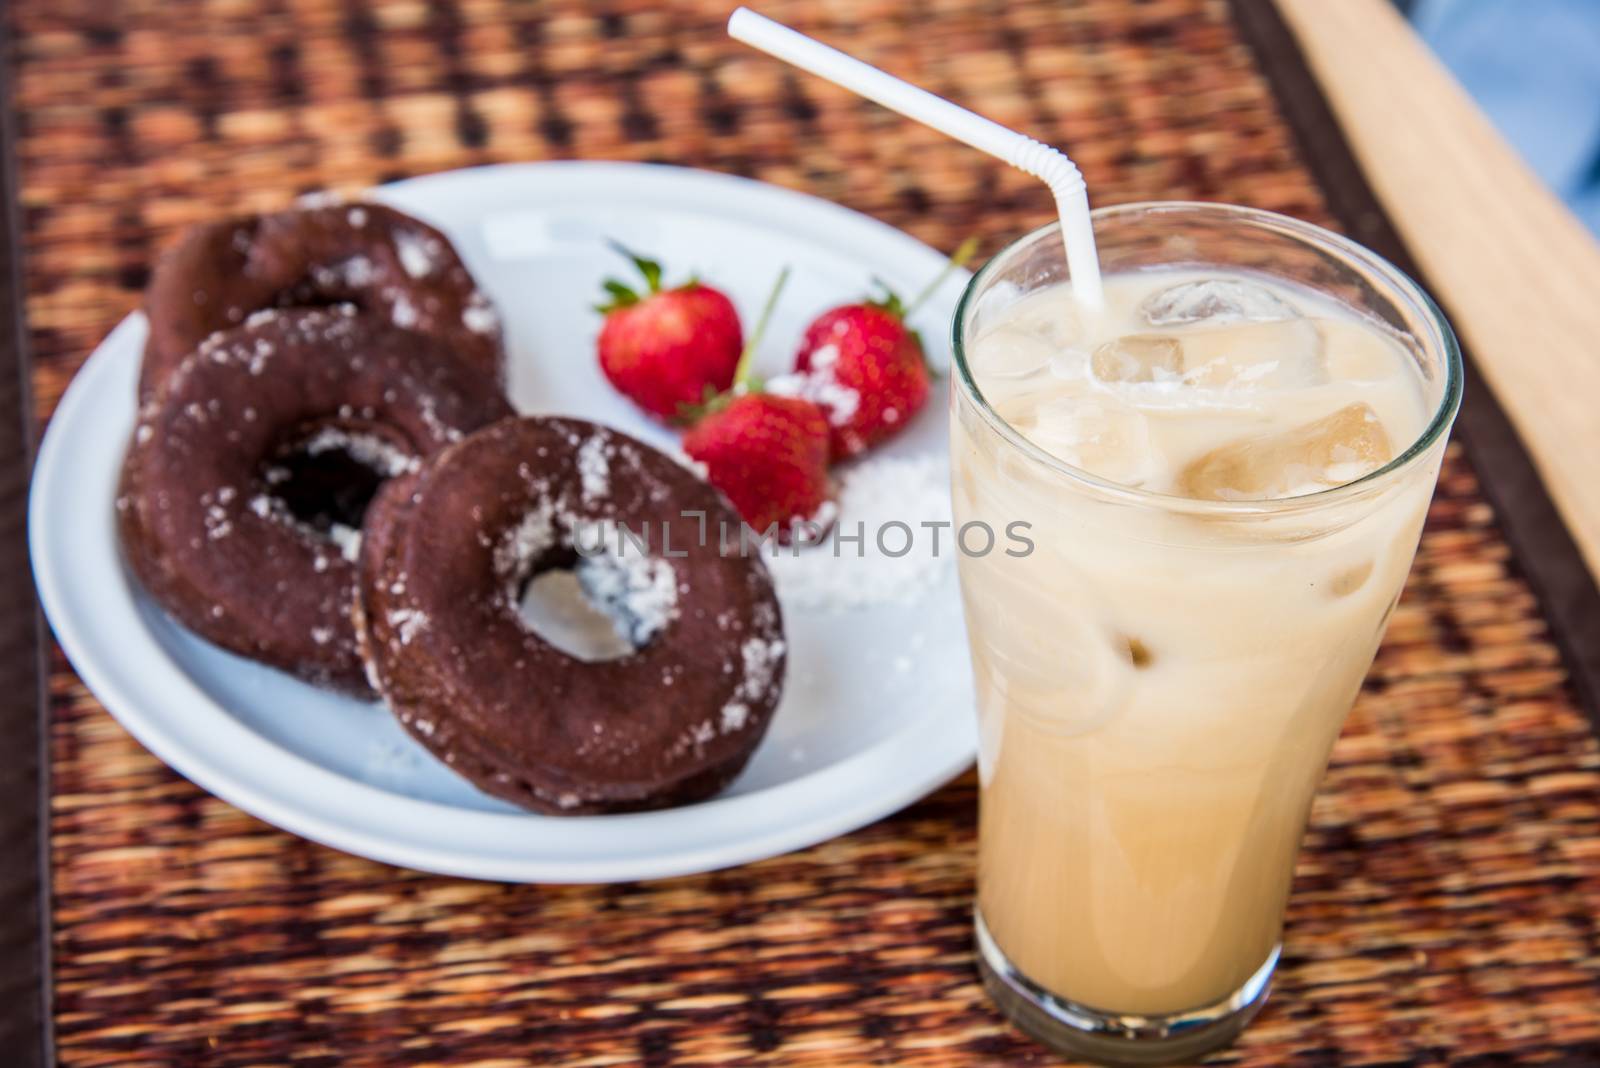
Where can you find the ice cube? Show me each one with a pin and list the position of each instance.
(1018, 401)
(1363, 352)
(1328, 452)
(1050, 315)
(1255, 355)
(1099, 435)
(1010, 353)
(1138, 358)
(1245, 355)
(1216, 301)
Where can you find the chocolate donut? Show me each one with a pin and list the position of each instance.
(442, 571)
(383, 261)
(241, 492)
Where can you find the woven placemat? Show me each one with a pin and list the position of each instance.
(1445, 906)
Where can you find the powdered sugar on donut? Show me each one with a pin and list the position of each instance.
(407, 623)
(479, 315)
(375, 452)
(639, 593)
(348, 539)
(522, 546)
(594, 469)
(734, 716)
(419, 254)
(429, 410)
(761, 657)
(402, 311)
(357, 272)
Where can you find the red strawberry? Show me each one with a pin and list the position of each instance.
(866, 367)
(767, 454)
(670, 347)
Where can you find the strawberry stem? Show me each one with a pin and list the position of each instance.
(741, 374)
(959, 259)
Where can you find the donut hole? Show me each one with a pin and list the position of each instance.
(597, 606)
(344, 282)
(305, 295)
(326, 474)
(553, 605)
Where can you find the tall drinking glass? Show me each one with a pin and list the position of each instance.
(1161, 673)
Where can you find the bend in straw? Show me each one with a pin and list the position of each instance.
(1020, 151)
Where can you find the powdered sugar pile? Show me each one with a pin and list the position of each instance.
(899, 508)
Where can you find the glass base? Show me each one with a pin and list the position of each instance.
(1112, 1038)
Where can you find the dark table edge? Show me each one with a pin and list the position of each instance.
(26, 1024)
(1541, 545)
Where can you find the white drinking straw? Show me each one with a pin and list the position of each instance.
(1023, 152)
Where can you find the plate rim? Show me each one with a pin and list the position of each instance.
(160, 704)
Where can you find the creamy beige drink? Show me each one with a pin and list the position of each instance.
(1161, 678)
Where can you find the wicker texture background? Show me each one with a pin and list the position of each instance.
(1446, 904)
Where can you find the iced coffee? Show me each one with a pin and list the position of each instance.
(1222, 471)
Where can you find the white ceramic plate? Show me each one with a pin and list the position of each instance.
(877, 708)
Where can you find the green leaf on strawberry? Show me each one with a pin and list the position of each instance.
(891, 303)
(623, 295)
